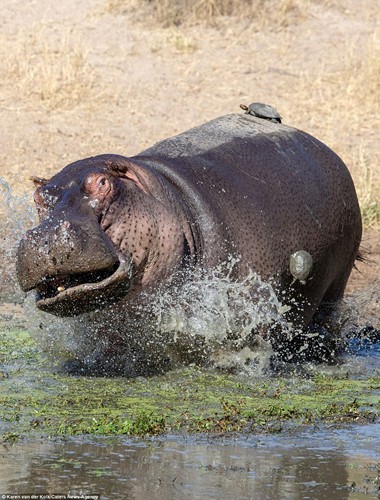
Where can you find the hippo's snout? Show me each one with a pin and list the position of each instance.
(64, 260)
(56, 249)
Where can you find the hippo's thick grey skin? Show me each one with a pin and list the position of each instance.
(112, 226)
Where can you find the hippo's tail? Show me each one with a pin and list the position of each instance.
(363, 256)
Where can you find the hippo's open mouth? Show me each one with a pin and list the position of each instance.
(70, 295)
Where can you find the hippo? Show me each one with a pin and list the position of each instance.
(273, 196)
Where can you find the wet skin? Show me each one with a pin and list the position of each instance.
(112, 226)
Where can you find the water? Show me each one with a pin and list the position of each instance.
(17, 214)
(322, 464)
(209, 318)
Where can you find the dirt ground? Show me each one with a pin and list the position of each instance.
(83, 78)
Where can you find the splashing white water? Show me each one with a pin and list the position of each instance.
(207, 320)
(217, 315)
(17, 215)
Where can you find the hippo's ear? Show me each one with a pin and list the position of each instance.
(127, 170)
(38, 181)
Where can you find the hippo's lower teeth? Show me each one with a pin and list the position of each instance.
(50, 287)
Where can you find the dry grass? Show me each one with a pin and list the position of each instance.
(368, 192)
(363, 92)
(148, 72)
(48, 73)
(168, 13)
(341, 107)
(181, 42)
(363, 78)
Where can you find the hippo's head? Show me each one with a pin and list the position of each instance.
(99, 231)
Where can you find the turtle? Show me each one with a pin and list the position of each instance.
(262, 111)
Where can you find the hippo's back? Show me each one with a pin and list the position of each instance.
(263, 190)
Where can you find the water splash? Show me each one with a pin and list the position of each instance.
(216, 315)
(207, 321)
(17, 215)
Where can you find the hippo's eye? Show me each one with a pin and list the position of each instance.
(98, 184)
(102, 183)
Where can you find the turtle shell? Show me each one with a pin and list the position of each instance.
(264, 111)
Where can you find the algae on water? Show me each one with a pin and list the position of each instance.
(34, 398)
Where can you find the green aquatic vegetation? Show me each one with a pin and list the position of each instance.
(34, 398)
(145, 424)
(17, 345)
(10, 437)
(101, 472)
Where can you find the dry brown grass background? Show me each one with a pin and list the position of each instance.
(119, 75)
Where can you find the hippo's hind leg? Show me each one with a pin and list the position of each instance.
(321, 340)
(323, 336)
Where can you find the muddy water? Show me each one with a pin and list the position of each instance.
(321, 464)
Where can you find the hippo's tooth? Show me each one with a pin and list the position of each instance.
(61, 289)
